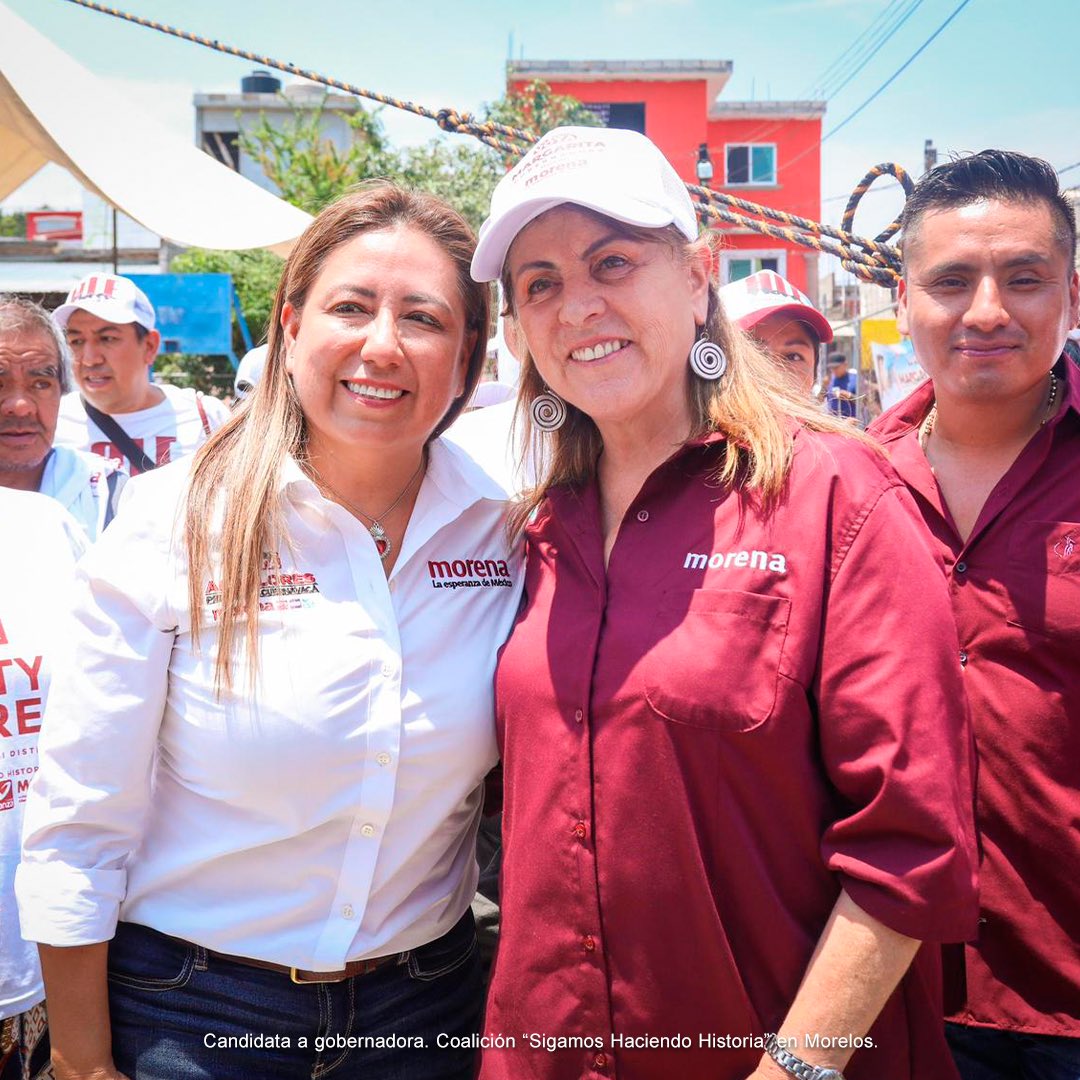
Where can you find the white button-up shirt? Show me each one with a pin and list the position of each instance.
(325, 815)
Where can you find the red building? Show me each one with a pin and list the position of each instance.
(764, 151)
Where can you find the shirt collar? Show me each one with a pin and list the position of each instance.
(455, 475)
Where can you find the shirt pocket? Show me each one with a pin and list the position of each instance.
(1044, 578)
(715, 658)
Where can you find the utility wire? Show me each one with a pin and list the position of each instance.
(884, 86)
(830, 72)
(818, 90)
(884, 41)
(899, 71)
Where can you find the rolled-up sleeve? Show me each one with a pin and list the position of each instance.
(894, 733)
(88, 801)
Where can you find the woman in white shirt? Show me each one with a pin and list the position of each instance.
(263, 761)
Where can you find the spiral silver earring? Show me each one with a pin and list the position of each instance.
(707, 359)
(548, 411)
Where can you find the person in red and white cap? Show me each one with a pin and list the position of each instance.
(782, 320)
(118, 412)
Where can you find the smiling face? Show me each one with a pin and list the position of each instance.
(790, 342)
(609, 318)
(112, 363)
(378, 352)
(988, 296)
(29, 403)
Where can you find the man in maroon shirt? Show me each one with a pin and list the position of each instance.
(990, 448)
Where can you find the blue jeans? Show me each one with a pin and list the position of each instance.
(990, 1054)
(181, 1014)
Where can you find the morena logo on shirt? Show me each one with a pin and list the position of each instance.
(772, 562)
(469, 574)
(1064, 548)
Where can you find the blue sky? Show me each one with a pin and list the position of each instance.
(999, 75)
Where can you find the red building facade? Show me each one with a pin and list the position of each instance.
(764, 151)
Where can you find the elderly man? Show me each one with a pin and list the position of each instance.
(990, 448)
(119, 412)
(33, 376)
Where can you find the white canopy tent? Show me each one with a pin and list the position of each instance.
(48, 106)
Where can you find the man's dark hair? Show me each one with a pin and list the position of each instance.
(991, 174)
(140, 331)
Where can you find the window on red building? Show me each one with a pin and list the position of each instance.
(629, 115)
(750, 163)
(734, 266)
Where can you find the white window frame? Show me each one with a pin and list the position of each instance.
(757, 253)
(728, 182)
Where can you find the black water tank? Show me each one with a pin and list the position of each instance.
(260, 82)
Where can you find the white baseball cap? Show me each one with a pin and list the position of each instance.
(109, 297)
(249, 370)
(617, 173)
(751, 299)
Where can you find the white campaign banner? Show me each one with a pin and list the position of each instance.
(897, 370)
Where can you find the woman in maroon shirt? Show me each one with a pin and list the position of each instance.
(735, 745)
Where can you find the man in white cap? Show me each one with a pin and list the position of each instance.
(119, 412)
(782, 320)
(33, 376)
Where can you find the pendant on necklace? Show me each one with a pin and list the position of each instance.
(382, 541)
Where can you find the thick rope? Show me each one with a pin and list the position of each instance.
(877, 261)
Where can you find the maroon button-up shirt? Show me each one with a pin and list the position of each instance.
(702, 745)
(1015, 590)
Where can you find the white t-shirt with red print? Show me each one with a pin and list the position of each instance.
(167, 431)
(39, 544)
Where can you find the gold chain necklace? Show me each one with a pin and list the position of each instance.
(382, 542)
(927, 426)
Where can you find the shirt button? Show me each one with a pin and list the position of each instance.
(643, 515)
(963, 658)
(388, 669)
(580, 830)
(961, 567)
(600, 1061)
(589, 942)
(347, 911)
(579, 715)
(383, 758)
(367, 830)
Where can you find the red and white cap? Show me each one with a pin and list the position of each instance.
(617, 173)
(751, 299)
(109, 297)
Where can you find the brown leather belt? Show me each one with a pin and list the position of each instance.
(298, 975)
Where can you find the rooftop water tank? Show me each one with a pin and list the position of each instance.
(260, 82)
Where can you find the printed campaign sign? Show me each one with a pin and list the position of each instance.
(897, 370)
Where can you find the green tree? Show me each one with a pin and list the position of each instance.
(308, 169)
(538, 109)
(13, 224)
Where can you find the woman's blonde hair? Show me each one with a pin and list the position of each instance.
(753, 404)
(235, 476)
